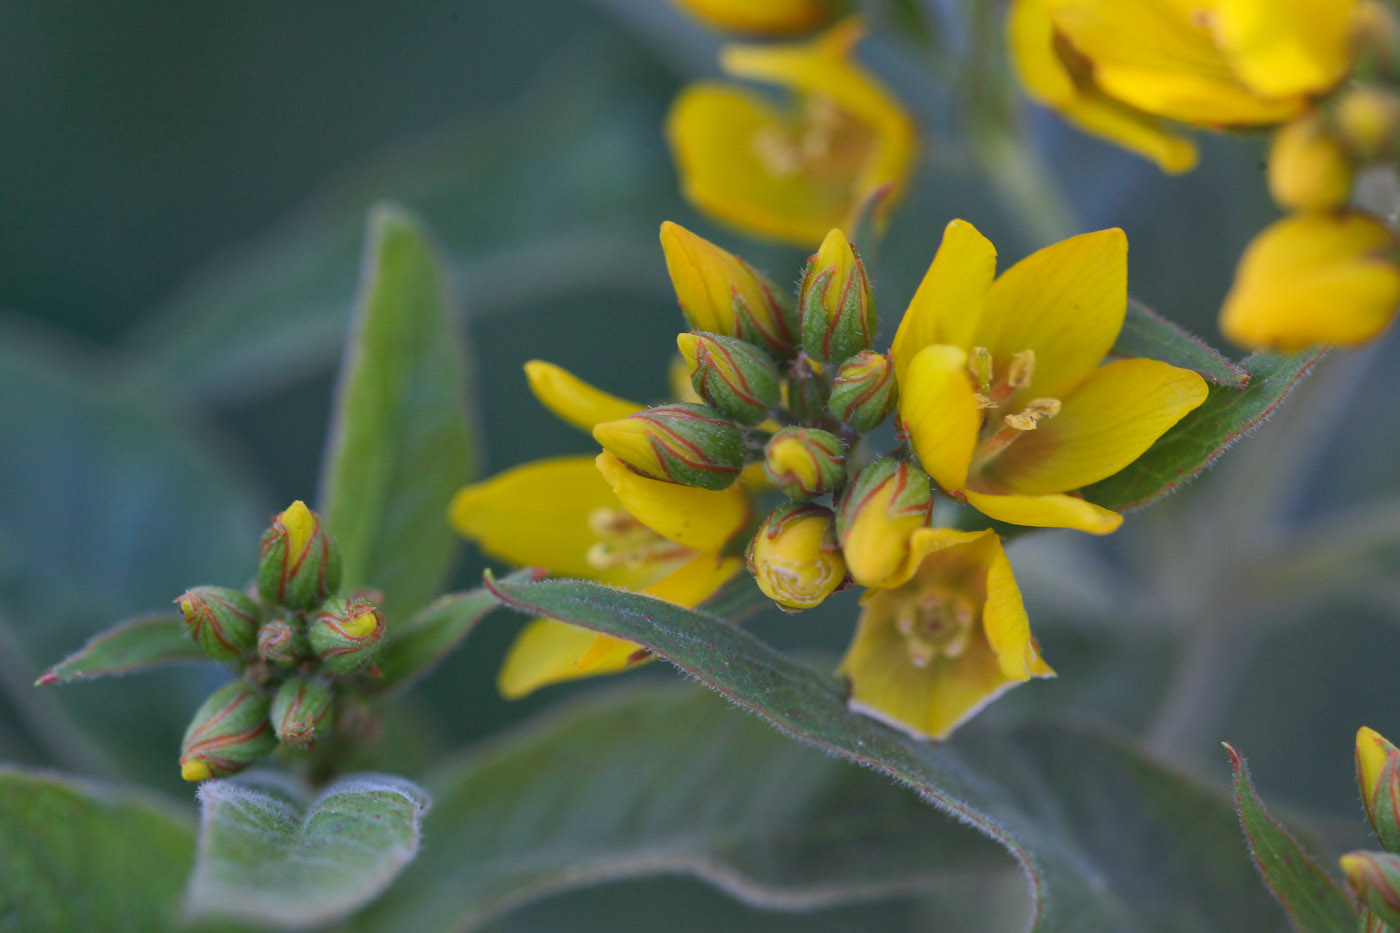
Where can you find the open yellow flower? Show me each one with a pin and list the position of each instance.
(1001, 384)
(594, 518)
(761, 17)
(1116, 68)
(1314, 278)
(792, 173)
(931, 652)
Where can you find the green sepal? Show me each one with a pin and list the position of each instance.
(229, 732)
(301, 711)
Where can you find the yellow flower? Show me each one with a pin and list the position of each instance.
(1117, 67)
(761, 17)
(594, 518)
(930, 653)
(792, 173)
(1000, 382)
(1314, 278)
(794, 556)
(1308, 168)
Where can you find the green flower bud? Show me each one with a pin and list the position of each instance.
(680, 443)
(878, 513)
(346, 633)
(300, 564)
(301, 711)
(834, 304)
(735, 377)
(281, 642)
(864, 392)
(1375, 879)
(807, 392)
(794, 556)
(224, 622)
(229, 732)
(804, 462)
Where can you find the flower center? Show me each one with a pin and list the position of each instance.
(625, 542)
(994, 390)
(825, 141)
(937, 622)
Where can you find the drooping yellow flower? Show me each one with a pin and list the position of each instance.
(931, 652)
(1001, 384)
(1314, 278)
(761, 17)
(594, 518)
(792, 173)
(1117, 67)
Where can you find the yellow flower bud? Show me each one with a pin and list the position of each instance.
(804, 462)
(794, 556)
(299, 562)
(881, 508)
(1308, 168)
(1375, 879)
(1368, 119)
(836, 307)
(1378, 775)
(761, 17)
(680, 443)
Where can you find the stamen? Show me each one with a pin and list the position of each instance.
(1012, 427)
(1021, 370)
(935, 623)
(625, 542)
(979, 363)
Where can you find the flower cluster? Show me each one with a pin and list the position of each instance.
(1326, 73)
(296, 641)
(1375, 876)
(994, 394)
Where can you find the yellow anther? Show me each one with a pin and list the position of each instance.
(1021, 369)
(1019, 422)
(979, 363)
(1042, 408)
(625, 542)
(984, 401)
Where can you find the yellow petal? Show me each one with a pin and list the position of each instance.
(937, 404)
(1044, 73)
(1160, 56)
(1372, 752)
(573, 400)
(949, 300)
(1285, 47)
(769, 18)
(1052, 511)
(1314, 278)
(1065, 302)
(699, 519)
(548, 651)
(1104, 425)
(1004, 619)
(696, 581)
(537, 515)
(923, 542)
(709, 280)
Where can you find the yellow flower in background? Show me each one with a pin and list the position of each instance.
(1001, 385)
(931, 652)
(1116, 68)
(792, 172)
(761, 17)
(1314, 278)
(594, 518)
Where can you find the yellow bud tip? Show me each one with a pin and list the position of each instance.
(1372, 749)
(362, 624)
(300, 523)
(196, 771)
(687, 344)
(836, 252)
(186, 606)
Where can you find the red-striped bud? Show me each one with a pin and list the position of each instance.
(300, 564)
(835, 304)
(301, 711)
(224, 622)
(878, 513)
(804, 462)
(864, 392)
(680, 443)
(1375, 879)
(735, 377)
(795, 558)
(229, 732)
(346, 633)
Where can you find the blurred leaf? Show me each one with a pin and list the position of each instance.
(430, 635)
(1073, 809)
(133, 645)
(1194, 443)
(79, 856)
(661, 780)
(1314, 901)
(1146, 333)
(399, 443)
(265, 857)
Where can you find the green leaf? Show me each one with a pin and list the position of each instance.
(81, 856)
(1197, 440)
(430, 635)
(267, 857)
(1314, 901)
(1108, 839)
(1147, 333)
(134, 645)
(665, 779)
(400, 445)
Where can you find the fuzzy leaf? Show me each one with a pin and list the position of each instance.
(400, 444)
(1314, 901)
(268, 858)
(665, 779)
(1198, 439)
(1147, 333)
(1058, 801)
(68, 856)
(133, 645)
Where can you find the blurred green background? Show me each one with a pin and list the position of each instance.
(183, 201)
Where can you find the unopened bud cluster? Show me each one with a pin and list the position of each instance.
(295, 640)
(794, 386)
(1374, 877)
